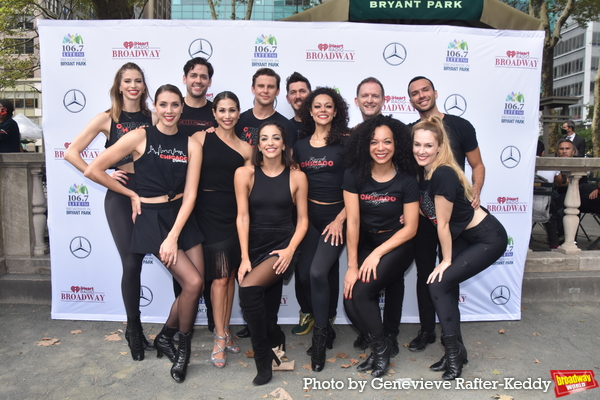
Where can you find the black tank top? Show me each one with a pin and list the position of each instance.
(218, 164)
(162, 168)
(270, 200)
(127, 122)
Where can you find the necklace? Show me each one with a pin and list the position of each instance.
(128, 114)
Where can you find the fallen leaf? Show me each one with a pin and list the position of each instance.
(249, 353)
(478, 342)
(537, 361)
(152, 337)
(581, 320)
(405, 345)
(353, 361)
(392, 365)
(240, 362)
(496, 372)
(196, 355)
(536, 334)
(501, 331)
(362, 356)
(307, 366)
(285, 383)
(346, 365)
(113, 338)
(75, 332)
(341, 355)
(391, 371)
(245, 365)
(265, 396)
(281, 394)
(46, 342)
(361, 375)
(331, 360)
(123, 353)
(413, 359)
(502, 397)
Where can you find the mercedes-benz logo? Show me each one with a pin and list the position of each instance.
(500, 295)
(455, 105)
(146, 296)
(200, 48)
(74, 101)
(510, 157)
(80, 247)
(394, 54)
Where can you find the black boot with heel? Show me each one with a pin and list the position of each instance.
(456, 354)
(179, 368)
(319, 342)
(164, 343)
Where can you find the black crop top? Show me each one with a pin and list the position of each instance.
(218, 164)
(163, 166)
(444, 182)
(382, 203)
(127, 122)
(270, 200)
(324, 169)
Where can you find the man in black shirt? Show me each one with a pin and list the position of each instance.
(197, 110)
(568, 130)
(298, 89)
(369, 97)
(265, 88)
(464, 144)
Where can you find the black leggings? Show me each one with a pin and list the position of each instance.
(318, 268)
(118, 214)
(363, 307)
(426, 244)
(472, 252)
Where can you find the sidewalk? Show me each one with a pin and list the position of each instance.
(83, 365)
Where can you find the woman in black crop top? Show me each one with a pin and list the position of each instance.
(379, 188)
(446, 197)
(266, 193)
(127, 113)
(216, 210)
(319, 154)
(167, 164)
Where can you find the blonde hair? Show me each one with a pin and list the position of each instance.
(445, 156)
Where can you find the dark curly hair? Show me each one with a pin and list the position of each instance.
(357, 155)
(339, 125)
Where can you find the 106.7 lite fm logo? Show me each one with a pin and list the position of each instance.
(72, 54)
(514, 109)
(265, 52)
(78, 200)
(508, 256)
(457, 56)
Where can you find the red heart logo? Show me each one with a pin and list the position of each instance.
(388, 98)
(501, 200)
(67, 144)
(323, 47)
(75, 289)
(511, 53)
(128, 45)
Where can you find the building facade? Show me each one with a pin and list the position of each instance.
(576, 65)
(264, 10)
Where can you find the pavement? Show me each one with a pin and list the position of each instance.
(84, 363)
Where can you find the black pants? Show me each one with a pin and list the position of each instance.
(473, 251)
(363, 308)
(118, 214)
(426, 244)
(317, 272)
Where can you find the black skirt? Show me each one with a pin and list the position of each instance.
(154, 224)
(264, 239)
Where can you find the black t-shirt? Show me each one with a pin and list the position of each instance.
(193, 119)
(382, 204)
(248, 125)
(444, 182)
(297, 129)
(324, 169)
(461, 133)
(10, 137)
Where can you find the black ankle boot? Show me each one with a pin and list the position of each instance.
(455, 357)
(441, 365)
(422, 340)
(164, 343)
(394, 341)
(361, 342)
(319, 342)
(381, 353)
(179, 368)
(331, 335)
(135, 338)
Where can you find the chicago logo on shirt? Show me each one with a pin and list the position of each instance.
(169, 154)
(317, 163)
(375, 198)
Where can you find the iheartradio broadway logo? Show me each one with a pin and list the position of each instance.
(136, 45)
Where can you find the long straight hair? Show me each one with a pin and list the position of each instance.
(445, 156)
(116, 96)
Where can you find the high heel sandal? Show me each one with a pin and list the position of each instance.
(232, 348)
(217, 361)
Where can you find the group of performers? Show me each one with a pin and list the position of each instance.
(216, 194)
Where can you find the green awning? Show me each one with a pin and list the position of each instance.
(462, 10)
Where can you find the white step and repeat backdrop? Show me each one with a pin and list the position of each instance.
(490, 77)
